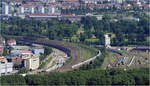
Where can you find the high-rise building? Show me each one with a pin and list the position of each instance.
(5, 66)
(41, 9)
(107, 40)
(117, 1)
(53, 10)
(5, 9)
(21, 10)
(32, 10)
(32, 62)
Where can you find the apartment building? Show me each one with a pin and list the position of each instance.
(32, 62)
(107, 40)
(5, 67)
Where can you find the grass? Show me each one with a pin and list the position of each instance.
(80, 30)
(72, 39)
(44, 63)
(88, 52)
(54, 63)
(113, 56)
(48, 60)
(68, 61)
(105, 63)
(92, 40)
(12, 36)
(91, 49)
(148, 39)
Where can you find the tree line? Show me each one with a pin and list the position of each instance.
(78, 77)
(88, 31)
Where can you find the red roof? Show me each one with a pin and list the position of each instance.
(23, 51)
(2, 59)
(42, 15)
(26, 5)
(1, 49)
(66, 15)
(11, 41)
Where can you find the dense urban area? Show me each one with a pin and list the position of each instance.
(74, 42)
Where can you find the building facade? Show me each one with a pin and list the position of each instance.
(5, 67)
(32, 63)
(107, 41)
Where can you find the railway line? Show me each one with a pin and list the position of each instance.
(73, 51)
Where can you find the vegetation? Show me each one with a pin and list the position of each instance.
(44, 63)
(6, 52)
(97, 62)
(23, 70)
(68, 61)
(88, 31)
(78, 77)
(47, 51)
(87, 49)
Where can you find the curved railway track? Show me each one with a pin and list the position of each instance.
(73, 51)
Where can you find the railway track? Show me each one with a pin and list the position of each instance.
(73, 51)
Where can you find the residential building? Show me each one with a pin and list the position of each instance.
(11, 42)
(117, 1)
(1, 50)
(2, 41)
(31, 9)
(5, 67)
(107, 41)
(39, 10)
(15, 59)
(21, 10)
(32, 62)
(5, 8)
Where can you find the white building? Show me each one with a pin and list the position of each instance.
(48, 1)
(32, 62)
(107, 41)
(11, 42)
(41, 9)
(32, 10)
(5, 8)
(53, 10)
(90, 1)
(5, 67)
(117, 1)
(21, 10)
